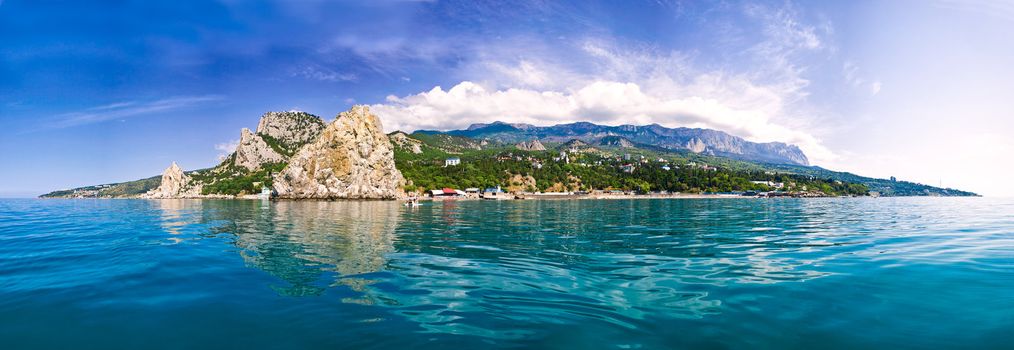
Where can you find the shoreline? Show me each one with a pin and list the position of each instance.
(524, 197)
(618, 196)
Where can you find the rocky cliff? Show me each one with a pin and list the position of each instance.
(401, 140)
(533, 145)
(289, 130)
(253, 151)
(352, 158)
(702, 141)
(175, 184)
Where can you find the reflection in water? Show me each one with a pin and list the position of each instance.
(651, 274)
(176, 214)
(348, 238)
(299, 242)
(446, 266)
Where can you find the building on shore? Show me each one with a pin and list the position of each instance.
(495, 193)
(447, 193)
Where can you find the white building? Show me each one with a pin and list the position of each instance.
(452, 161)
(770, 183)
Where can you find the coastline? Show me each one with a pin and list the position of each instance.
(530, 197)
(518, 197)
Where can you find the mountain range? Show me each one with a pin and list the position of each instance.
(299, 155)
(698, 141)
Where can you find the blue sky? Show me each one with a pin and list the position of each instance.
(104, 91)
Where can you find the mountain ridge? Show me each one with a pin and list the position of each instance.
(301, 156)
(696, 140)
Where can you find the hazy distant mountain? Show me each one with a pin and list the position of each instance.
(700, 141)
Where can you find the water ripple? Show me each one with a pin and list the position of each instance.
(553, 274)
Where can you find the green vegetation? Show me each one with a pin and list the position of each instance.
(597, 170)
(481, 170)
(279, 146)
(229, 179)
(487, 163)
(114, 190)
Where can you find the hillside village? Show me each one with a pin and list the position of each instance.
(576, 169)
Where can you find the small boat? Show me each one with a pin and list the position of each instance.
(412, 202)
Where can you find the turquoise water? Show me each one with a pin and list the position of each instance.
(611, 274)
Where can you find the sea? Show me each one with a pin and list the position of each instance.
(830, 273)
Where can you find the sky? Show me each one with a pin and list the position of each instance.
(96, 92)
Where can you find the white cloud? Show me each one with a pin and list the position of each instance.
(122, 110)
(525, 73)
(606, 102)
(323, 74)
(851, 73)
(759, 96)
(226, 148)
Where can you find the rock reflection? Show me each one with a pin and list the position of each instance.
(301, 241)
(311, 245)
(448, 266)
(177, 215)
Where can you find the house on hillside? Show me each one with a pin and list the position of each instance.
(770, 183)
(452, 161)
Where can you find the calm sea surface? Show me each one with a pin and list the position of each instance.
(611, 274)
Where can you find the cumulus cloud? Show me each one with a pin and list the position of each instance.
(662, 89)
(605, 102)
(603, 80)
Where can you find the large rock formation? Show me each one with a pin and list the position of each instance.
(253, 151)
(534, 145)
(290, 130)
(352, 158)
(616, 141)
(175, 184)
(696, 145)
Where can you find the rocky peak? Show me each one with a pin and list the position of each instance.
(352, 158)
(574, 143)
(253, 151)
(616, 141)
(533, 145)
(291, 129)
(175, 184)
(696, 145)
(402, 140)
